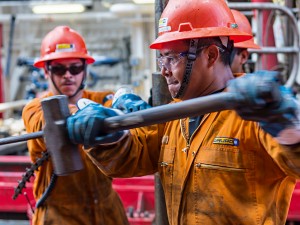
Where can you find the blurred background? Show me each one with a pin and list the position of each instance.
(118, 34)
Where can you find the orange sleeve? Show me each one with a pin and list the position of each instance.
(104, 98)
(34, 121)
(33, 118)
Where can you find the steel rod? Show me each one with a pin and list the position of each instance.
(23, 137)
(155, 115)
(164, 113)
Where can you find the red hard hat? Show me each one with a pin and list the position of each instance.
(244, 26)
(190, 19)
(61, 43)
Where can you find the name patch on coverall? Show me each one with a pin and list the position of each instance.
(226, 141)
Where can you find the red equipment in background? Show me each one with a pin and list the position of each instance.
(294, 211)
(11, 170)
(137, 194)
(1, 76)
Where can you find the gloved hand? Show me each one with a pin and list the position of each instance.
(264, 100)
(86, 126)
(126, 101)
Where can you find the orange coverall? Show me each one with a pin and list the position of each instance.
(229, 172)
(85, 197)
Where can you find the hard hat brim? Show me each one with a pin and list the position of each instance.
(233, 33)
(247, 44)
(40, 63)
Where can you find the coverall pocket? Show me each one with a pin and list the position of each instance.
(166, 164)
(166, 169)
(225, 158)
(220, 177)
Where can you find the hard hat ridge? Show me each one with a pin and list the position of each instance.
(245, 26)
(192, 19)
(62, 42)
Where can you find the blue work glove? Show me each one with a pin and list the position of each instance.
(126, 101)
(264, 100)
(86, 126)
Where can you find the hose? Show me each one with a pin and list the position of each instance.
(48, 190)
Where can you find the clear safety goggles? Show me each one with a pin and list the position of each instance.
(170, 62)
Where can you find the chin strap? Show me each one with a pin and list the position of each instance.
(82, 85)
(191, 57)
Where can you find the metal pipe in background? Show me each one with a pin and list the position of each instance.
(160, 96)
(9, 50)
(160, 91)
(12, 105)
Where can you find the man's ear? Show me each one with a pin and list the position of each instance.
(244, 56)
(46, 73)
(212, 54)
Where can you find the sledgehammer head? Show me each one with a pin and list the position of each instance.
(65, 156)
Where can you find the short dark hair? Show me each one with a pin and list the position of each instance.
(225, 50)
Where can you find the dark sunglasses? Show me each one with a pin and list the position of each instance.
(61, 70)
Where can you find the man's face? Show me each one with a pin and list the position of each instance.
(240, 58)
(174, 69)
(67, 74)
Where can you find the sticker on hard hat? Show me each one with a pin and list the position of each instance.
(163, 25)
(163, 22)
(65, 48)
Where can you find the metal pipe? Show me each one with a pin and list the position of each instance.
(9, 50)
(164, 113)
(155, 115)
(87, 16)
(160, 96)
(23, 137)
(12, 105)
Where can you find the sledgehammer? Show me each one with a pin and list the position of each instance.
(64, 154)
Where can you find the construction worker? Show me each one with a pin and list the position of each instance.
(85, 197)
(215, 168)
(240, 53)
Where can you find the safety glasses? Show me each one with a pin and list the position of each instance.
(61, 70)
(170, 62)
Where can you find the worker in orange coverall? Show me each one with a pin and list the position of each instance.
(240, 54)
(85, 197)
(229, 167)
